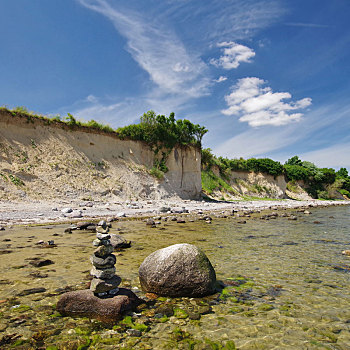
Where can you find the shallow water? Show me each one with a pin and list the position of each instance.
(296, 294)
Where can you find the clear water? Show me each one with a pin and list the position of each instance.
(297, 295)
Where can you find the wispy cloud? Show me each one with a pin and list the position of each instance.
(221, 20)
(233, 55)
(259, 106)
(335, 156)
(307, 25)
(157, 49)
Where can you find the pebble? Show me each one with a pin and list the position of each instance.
(2, 228)
(133, 332)
(75, 214)
(66, 210)
(41, 262)
(121, 215)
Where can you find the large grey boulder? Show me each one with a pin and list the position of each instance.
(178, 270)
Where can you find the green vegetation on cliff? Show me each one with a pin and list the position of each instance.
(322, 183)
(161, 133)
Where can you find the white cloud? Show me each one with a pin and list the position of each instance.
(158, 50)
(233, 55)
(220, 79)
(259, 106)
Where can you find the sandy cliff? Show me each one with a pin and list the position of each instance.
(42, 161)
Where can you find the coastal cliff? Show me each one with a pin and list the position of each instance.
(41, 159)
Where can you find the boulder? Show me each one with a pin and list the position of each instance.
(117, 241)
(178, 270)
(108, 310)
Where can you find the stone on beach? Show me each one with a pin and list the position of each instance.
(104, 301)
(84, 303)
(178, 270)
(103, 264)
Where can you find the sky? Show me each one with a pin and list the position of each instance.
(268, 78)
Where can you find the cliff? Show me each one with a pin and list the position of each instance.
(41, 160)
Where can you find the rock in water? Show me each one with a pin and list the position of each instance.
(178, 270)
(117, 241)
(85, 304)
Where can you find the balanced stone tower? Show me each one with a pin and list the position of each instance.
(105, 282)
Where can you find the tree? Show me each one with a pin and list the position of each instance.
(294, 161)
(342, 173)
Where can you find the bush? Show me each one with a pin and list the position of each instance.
(265, 165)
(296, 172)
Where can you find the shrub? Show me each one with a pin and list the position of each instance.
(296, 172)
(265, 165)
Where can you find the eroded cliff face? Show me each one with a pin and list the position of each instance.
(41, 161)
(250, 184)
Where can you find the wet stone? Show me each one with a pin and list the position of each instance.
(41, 262)
(103, 263)
(31, 291)
(103, 236)
(103, 274)
(102, 251)
(101, 286)
(99, 242)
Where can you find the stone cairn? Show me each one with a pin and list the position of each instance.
(105, 282)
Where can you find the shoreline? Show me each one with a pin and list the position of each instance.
(52, 212)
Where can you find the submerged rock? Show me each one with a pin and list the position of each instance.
(178, 270)
(85, 304)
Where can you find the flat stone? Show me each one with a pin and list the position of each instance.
(103, 274)
(103, 263)
(103, 250)
(31, 291)
(103, 235)
(100, 286)
(102, 230)
(99, 242)
(41, 262)
(102, 223)
(83, 225)
(107, 310)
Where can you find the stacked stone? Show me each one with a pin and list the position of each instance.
(105, 282)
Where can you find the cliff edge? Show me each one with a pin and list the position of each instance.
(46, 160)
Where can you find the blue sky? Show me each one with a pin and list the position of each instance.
(268, 78)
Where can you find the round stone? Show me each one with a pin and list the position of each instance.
(101, 286)
(103, 263)
(103, 274)
(178, 270)
(103, 250)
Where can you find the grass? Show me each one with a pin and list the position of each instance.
(22, 111)
(211, 182)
